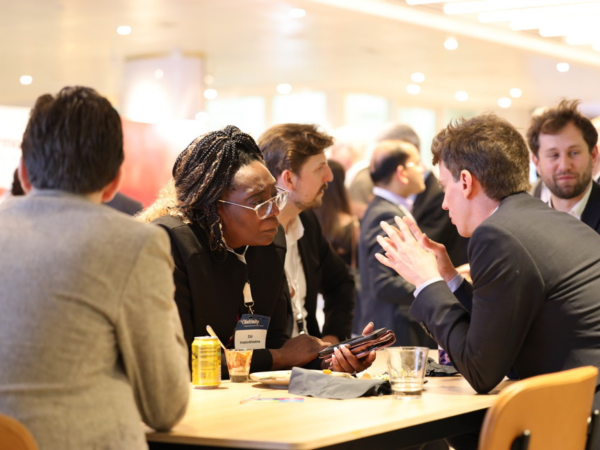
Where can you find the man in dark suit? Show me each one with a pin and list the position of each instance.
(427, 206)
(385, 297)
(294, 153)
(533, 307)
(564, 150)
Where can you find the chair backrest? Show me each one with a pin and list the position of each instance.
(14, 435)
(554, 408)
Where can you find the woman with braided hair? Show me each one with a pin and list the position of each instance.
(221, 212)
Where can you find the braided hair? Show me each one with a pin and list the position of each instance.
(203, 171)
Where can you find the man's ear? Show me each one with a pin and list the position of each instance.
(111, 188)
(287, 180)
(594, 155)
(467, 183)
(535, 160)
(401, 174)
(24, 176)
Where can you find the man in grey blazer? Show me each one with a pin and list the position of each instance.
(533, 306)
(91, 341)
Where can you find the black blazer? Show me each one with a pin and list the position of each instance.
(385, 296)
(211, 293)
(325, 273)
(591, 213)
(534, 304)
(435, 221)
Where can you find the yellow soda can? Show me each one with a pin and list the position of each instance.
(206, 362)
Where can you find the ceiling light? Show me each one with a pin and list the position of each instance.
(515, 93)
(26, 80)
(596, 46)
(478, 6)
(284, 88)
(202, 116)
(461, 96)
(451, 44)
(297, 13)
(504, 102)
(210, 94)
(582, 10)
(413, 89)
(158, 73)
(124, 30)
(563, 67)
(417, 77)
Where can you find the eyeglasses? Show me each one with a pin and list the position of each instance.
(417, 165)
(265, 209)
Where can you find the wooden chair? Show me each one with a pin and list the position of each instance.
(14, 435)
(544, 412)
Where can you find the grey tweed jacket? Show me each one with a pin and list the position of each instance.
(90, 340)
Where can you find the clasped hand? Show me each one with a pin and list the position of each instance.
(412, 254)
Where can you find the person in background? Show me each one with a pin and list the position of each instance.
(533, 306)
(125, 204)
(91, 341)
(564, 150)
(339, 226)
(397, 172)
(426, 206)
(221, 212)
(294, 154)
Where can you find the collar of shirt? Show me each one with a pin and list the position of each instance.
(394, 198)
(295, 231)
(240, 256)
(577, 209)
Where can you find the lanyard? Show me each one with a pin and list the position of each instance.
(248, 301)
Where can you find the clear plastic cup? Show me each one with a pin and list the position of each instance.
(406, 368)
(238, 364)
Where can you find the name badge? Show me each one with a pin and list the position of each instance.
(251, 331)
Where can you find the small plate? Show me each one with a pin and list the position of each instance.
(273, 378)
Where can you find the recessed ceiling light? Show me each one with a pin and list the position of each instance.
(515, 93)
(284, 88)
(563, 67)
(297, 13)
(417, 77)
(413, 89)
(504, 102)
(461, 96)
(124, 30)
(26, 80)
(451, 44)
(210, 94)
(158, 73)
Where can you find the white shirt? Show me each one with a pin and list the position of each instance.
(294, 272)
(577, 209)
(404, 204)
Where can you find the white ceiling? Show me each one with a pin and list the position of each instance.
(250, 46)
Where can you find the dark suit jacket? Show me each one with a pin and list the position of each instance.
(534, 304)
(591, 213)
(125, 204)
(325, 273)
(211, 293)
(385, 296)
(435, 221)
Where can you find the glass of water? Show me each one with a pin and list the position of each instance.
(406, 367)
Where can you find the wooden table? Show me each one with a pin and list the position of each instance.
(215, 418)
